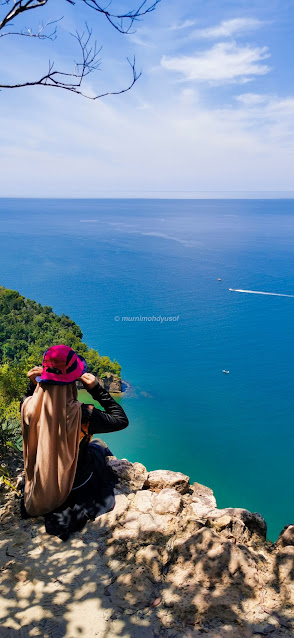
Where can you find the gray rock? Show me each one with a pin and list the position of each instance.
(160, 479)
(286, 537)
(111, 383)
(131, 476)
(197, 510)
(143, 501)
(138, 526)
(203, 494)
(263, 630)
(239, 522)
(168, 501)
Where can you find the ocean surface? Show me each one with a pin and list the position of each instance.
(101, 260)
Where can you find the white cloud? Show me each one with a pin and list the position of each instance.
(251, 99)
(228, 28)
(272, 114)
(180, 145)
(267, 104)
(183, 25)
(224, 62)
(144, 40)
(162, 136)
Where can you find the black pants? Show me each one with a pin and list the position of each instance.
(86, 502)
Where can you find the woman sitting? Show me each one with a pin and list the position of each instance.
(66, 476)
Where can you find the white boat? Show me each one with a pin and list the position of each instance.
(226, 371)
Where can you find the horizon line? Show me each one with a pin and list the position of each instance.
(129, 194)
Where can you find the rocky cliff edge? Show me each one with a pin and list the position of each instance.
(165, 562)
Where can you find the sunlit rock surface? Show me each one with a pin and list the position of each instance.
(165, 562)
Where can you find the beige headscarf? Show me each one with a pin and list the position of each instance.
(51, 426)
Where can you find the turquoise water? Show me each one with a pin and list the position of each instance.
(164, 257)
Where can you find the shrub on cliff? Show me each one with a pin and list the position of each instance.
(13, 383)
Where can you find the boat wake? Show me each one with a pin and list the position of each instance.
(259, 292)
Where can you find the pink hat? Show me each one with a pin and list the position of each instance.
(61, 365)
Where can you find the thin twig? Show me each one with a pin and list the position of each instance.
(90, 60)
(72, 81)
(40, 34)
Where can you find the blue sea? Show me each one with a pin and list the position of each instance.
(101, 260)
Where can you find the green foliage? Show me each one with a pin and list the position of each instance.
(106, 365)
(27, 329)
(10, 432)
(13, 383)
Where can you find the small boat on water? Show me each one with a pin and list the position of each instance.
(226, 371)
(219, 279)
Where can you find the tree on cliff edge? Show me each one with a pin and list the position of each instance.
(12, 13)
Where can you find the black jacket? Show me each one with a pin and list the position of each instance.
(113, 419)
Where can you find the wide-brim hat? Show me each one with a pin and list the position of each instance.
(61, 365)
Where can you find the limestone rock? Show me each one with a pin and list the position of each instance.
(204, 495)
(286, 536)
(143, 527)
(238, 522)
(106, 522)
(143, 501)
(205, 577)
(168, 501)
(200, 504)
(164, 562)
(198, 510)
(284, 573)
(111, 383)
(131, 476)
(153, 558)
(160, 479)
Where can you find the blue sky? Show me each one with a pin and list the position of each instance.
(213, 111)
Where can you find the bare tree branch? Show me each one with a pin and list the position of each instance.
(117, 20)
(19, 7)
(72, 81)
(40, 34)
(90, 61)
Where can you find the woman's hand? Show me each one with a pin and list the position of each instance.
(34, 372)
(88, 380)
